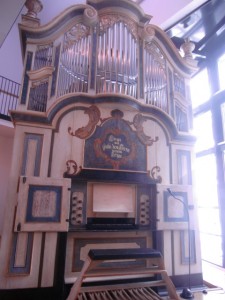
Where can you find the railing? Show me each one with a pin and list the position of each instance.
(9, 94)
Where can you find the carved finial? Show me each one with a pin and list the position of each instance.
(33, 7)
(188, 47)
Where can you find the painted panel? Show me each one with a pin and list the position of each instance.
(20, 259)
(32, 154)
(173, 211)
(43, 204)
(115, 146)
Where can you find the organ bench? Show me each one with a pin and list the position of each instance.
(96, 266)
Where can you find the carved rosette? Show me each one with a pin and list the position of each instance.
(108, 20)
(147, 33)
(33, 7)
(90, 16)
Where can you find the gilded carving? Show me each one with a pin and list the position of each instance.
(147, 33)
(109, 20)
(152, 48)
(138, 120)
(94, 117)
(77, 32)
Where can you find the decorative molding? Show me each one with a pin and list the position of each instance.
(184, 246)
(40, 75)
(23, 269)
(37, 141)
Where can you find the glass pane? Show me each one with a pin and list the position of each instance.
(200, 91)
(222, 109)
(221, 70)
(203, 131)
(214, 256)
(208, 208)
(206, 181)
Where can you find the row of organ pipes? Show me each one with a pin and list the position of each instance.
(117, 61)
(117, 64)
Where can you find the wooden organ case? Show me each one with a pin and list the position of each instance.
(103, 129)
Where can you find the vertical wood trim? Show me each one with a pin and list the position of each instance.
(50, 245)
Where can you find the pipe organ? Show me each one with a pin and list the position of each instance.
(103, 129)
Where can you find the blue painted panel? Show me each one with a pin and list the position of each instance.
(21, 269)
(37, 157)
(115, 146)
(183, 196)
(184, 257)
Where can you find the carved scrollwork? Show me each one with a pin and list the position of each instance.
(94, 117)
(147, 33)
(72, 168)
(153, 174)
(90, 16)
(138, 120)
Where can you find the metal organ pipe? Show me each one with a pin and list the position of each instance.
(116, 67)
(73, 73)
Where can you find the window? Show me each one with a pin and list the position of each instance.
(221, 71)
(203, 131)
(200, 91)
(209, 128)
